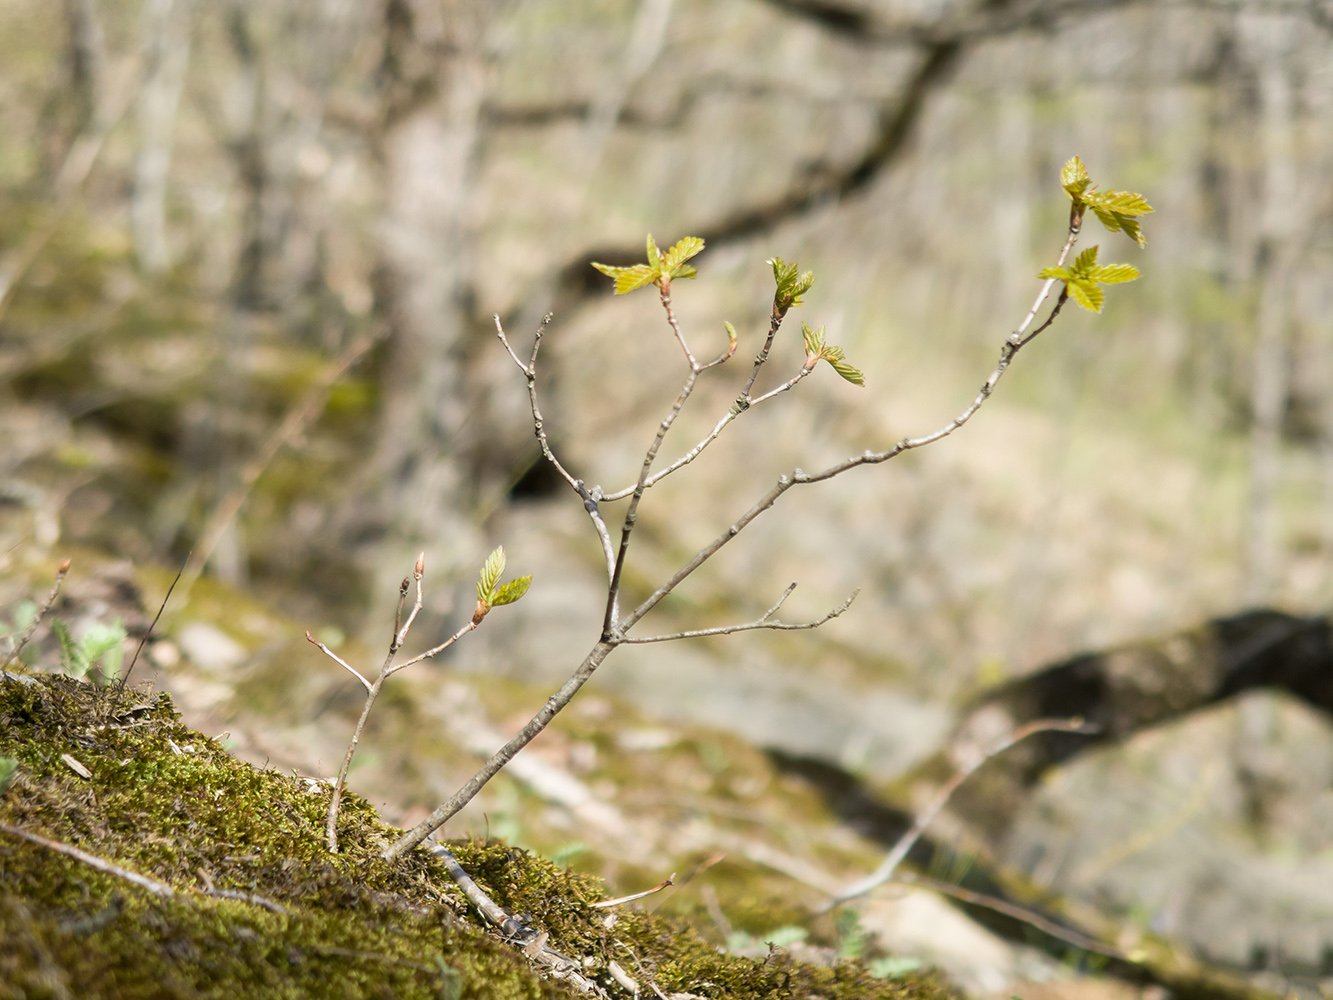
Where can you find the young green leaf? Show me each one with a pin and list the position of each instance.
(627, 279)
(1086, 293)
(731, 336)
(659, 267)
(510, 592)
(837, 360)
(1085, 261)
(490, 574)
(72, 661)
(791, 283)
(814, 340)
(685, 248)
(1085, 278)
(1074, 178)
(1115, 274)
(105, 644)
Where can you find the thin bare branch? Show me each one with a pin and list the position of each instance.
(299, 418)
(248, 897)
(665, 296)
(338, 660)
(904, 844)
(539, 428)
(387, 669)
(400, 634)
(92, 860)
(761, 622)
(504, 755)
(798, 477)
(620, 900)
(497, 915)
(436, 650)
(148, 634)
(735, 411)
(42, 612)
(1027, 916)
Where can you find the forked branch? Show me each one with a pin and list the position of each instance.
(1117, 210)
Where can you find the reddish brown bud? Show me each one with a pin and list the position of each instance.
(64, 566)
(421, 565)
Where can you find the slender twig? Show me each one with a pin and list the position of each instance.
(338, 660)
(539, 428)
(296, 421)
(898, 853)
(497, 915)
(763, 621)
(1023, 913)
(42, 612)
(124, 678)
(248, 897)
(387, 669)
(637, 895)
(711, 436)
(92, 860)
(742, 403)
(610, 622)
(504, 755)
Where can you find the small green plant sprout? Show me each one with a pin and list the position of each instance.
(8, 768)
(102, 646)
(491, 593)
(791, 285)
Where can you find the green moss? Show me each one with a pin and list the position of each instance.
(170, 804)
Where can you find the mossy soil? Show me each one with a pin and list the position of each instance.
(165, 802)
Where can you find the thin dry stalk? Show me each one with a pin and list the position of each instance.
(297, 420)
(619, 900)
(26, 635)
(898, 853)
(1027, 916)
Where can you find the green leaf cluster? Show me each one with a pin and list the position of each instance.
(791, 284)
(101, 645)
(1118, 211)
(1084, 278)
(490, 591)
(816, 350)
(661, 267)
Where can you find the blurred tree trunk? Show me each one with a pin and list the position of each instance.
(85, 60)
(165, 47)
(1270, 386)
(432, 80)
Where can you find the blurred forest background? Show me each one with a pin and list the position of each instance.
(250, 252)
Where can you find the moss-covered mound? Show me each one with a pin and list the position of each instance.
(245, 900)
